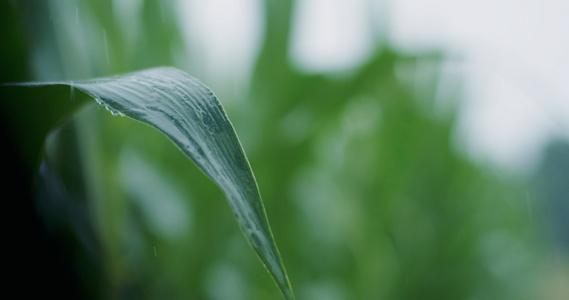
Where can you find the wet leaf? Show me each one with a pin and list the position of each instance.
(189, 113)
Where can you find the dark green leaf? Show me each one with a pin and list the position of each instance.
(188, 112)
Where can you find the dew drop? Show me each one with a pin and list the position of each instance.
(255, 239)
(110, 110)
(114, 112)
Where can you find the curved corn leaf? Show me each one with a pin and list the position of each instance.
(188, 112)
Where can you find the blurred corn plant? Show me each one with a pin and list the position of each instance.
(367, 195)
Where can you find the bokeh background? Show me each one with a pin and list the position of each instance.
(404, 149)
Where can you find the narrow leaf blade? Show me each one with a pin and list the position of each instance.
(188, 112)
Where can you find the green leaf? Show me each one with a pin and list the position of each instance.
(188, 112)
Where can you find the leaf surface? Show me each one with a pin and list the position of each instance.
(188, 112)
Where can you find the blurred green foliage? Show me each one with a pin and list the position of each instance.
(364, 190)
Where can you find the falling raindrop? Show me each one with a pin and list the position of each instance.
(528, 206)
(72, 92)
(106, 47)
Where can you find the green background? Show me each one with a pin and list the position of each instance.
(366, 192)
